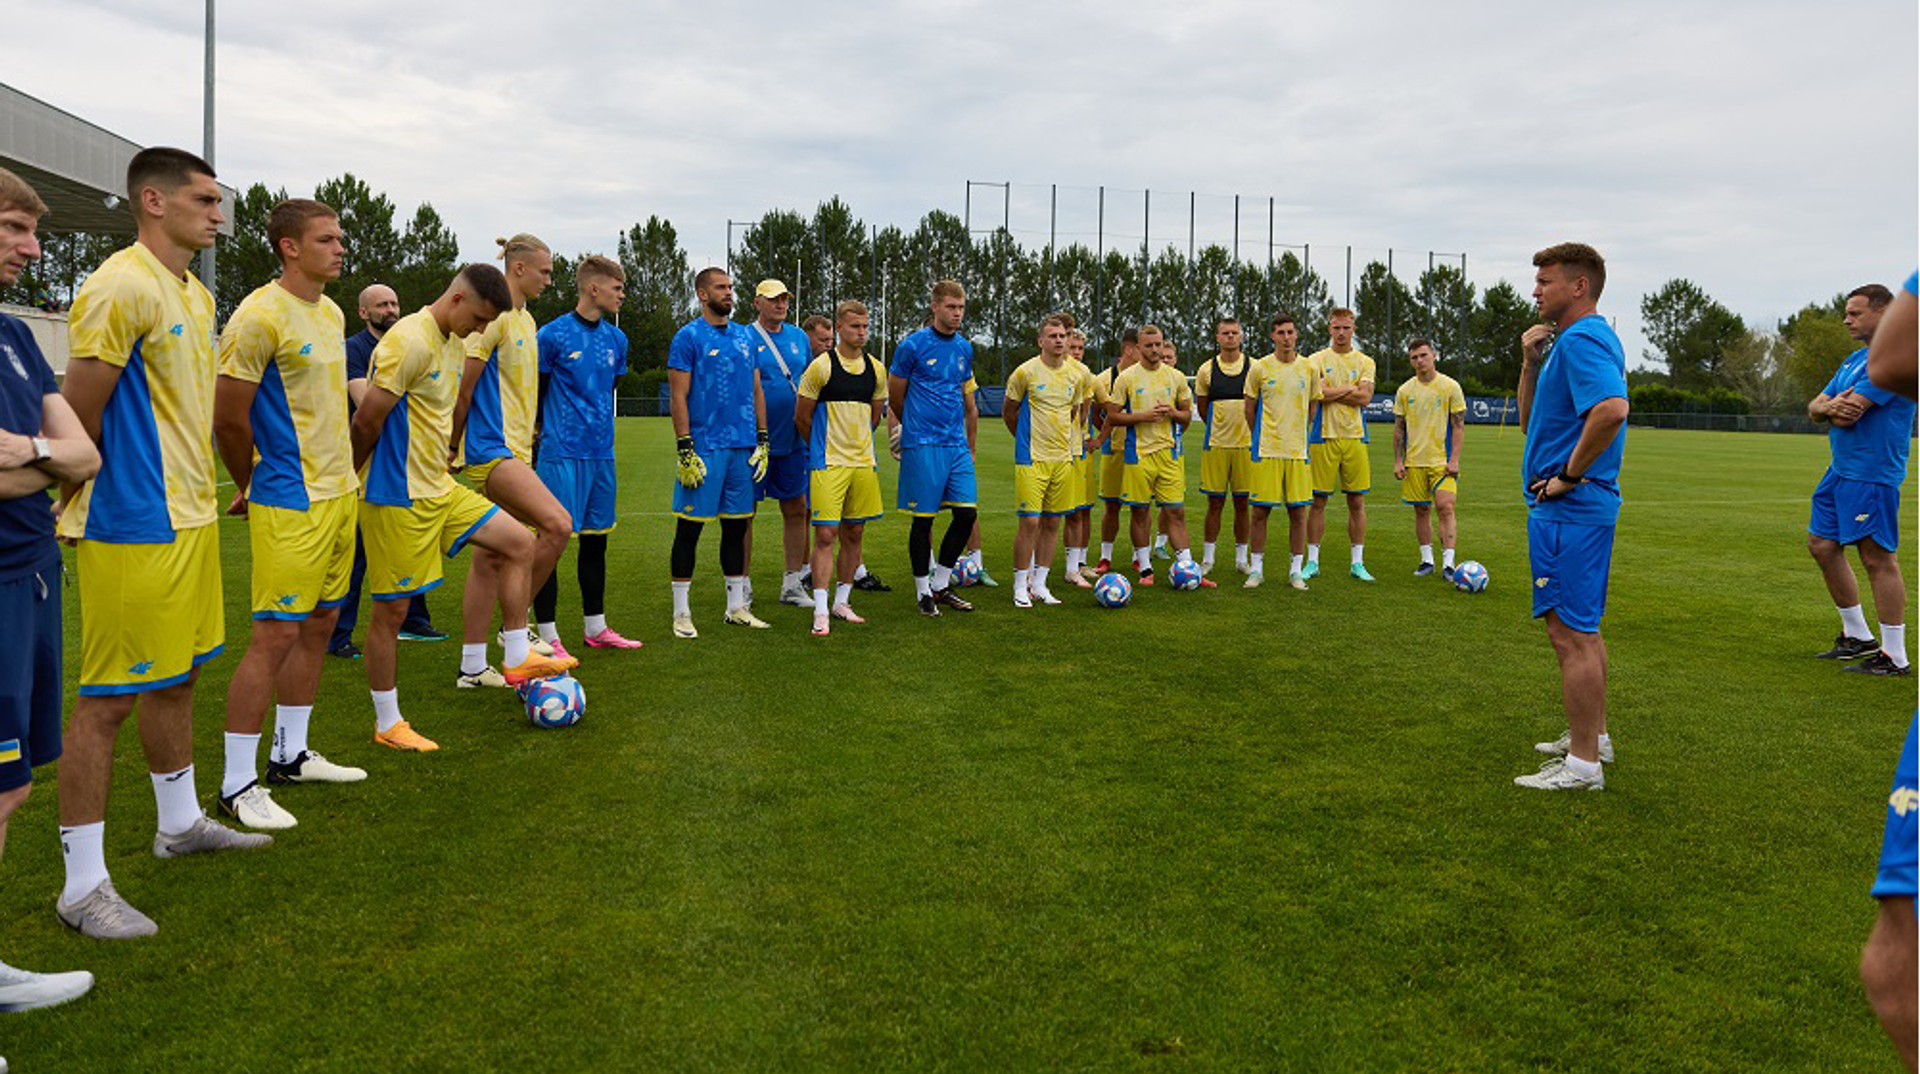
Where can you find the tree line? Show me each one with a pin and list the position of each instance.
(1705, 356)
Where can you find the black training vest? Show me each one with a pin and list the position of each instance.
(845, 387)
(1226, 387)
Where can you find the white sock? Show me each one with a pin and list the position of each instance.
(1106, 551)
(243, 753)
(1020, 584)
(1037, 581)
(1143, 559)
(594, 625)
(1313, 553)
(1183, 556)
(1257, 561)
(941, 576)
(1294, 565)
(386, 709)
(736, 593)
(922, 586)
(860, 572)
(1206, 552)
(1446, 557)
(550, 632)
(1583, 769)
(819, 600)
(1240, 554)
(473, 658)
(843, 594)
(1893, 641)
(290, 732)
(176, 799)
(1853, 622)
(791, 580)
(1073, 559)
(1426, 554)
(1356, 554)
(680, 609)
(516, 649)
(85, 856)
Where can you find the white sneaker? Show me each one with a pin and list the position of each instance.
(310, 767)
(1254, 579)
(486, 676)
(1243, 566)
(1296, 579)
(24, 990)
(796, 596)
(683, 627)
(1022, 599)
(1206, 567)
(822, 625)
(534, 644)
(1045, 596)
(254, 807)
(1557, 775)
(743, 616)
(104, 915)
(1559, 747)
(205, 835)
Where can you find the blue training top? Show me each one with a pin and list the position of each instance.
(1585, 365)
(781, 388)
(1875, 447)
(582, 360)
(720, 395)
(26, 522)
(1898, 849)
(937, 370)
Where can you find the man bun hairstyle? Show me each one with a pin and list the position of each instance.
(520, 248)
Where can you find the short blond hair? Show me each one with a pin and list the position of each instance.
(1340, 311)
(948, 289)
(598, 267)
(17, 196)
(849, 306)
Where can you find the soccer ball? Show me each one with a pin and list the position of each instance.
(556, 702)
(1113, 590)
(966, 572)
(1185, 575)
(1470, 577)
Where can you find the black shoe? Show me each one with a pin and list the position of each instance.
(346, 650)
(952, 600)
(425, 633)
(871, 583)
(929, 607)
(1880, 664)
(1845, 648)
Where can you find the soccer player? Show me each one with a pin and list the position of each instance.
(781, 352)
(582, 355)
(1281, 391)
(1573, 405)
(1337, 443)
(840, 401)
(41, 443)
(493, 423)
(1112, 464)
(412, 512)
(819, 332)
(1429, 425)
(721, 442)
(1045, 409)
(281, 399)
(1226, 455)
(380, 309)
(931, 388)
(1858, 499)
(1887, 965)
(1079, 524)
(1151, 404)
(140, 380)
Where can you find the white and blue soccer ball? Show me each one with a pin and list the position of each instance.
(1112, 590)
(556, 702)
(966, 572)
(1185, 574)
(1470, 577)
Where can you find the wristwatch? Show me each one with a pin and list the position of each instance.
(42, 451)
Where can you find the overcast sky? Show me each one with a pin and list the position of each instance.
(1764, 150)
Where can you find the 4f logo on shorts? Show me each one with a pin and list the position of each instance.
(288, 600)
(1904, 800)
(1541, 583)
(141, 668)
(1862, 518)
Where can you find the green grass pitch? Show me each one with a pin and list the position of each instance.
(1229, 830)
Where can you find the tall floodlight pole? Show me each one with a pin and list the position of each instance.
(1236, 255)
(1146, 263)
(206, 132)
(1053, 234)
(1099, 266)
(1006, 227)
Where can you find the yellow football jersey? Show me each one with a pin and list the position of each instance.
(1285, 392)
(421, 365)
(1342, 421)
(1141, 389)
(296, 352)
(506, 398)
(842, 429)
(156, 431)
(1428, 410)
(1046, 430)
(1227, 422)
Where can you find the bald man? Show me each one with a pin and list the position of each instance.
(380, 309)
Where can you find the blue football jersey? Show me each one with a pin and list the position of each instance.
(582, 360)
(720, 394)
(939, 374)
(1875, 447)
(1585, 365)
(780, 386)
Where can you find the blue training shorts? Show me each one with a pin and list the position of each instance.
(726, 493)
(1570, 565)
(787, 477)
(932, 477)
(1849, 511)
(30, 675)
(586, 488)
(1899, 847)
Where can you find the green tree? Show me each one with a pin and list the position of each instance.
(779, 247)
(1690, 332)
(1495, 329)
(1813, 343)
(429, 257)
(373, 243)
(659, 290)
(1384, 313)
(246, 260)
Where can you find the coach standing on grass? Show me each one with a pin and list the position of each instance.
(1573, 405)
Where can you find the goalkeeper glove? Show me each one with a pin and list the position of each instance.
(758, 460)
(893, 439)
(692, 469)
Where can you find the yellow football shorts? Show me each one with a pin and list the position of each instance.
(1282, 483)
(1422, 482)
(1340, 466)
(1113, 476)
(402, 541)
(302, 560)
(476, 475)
(149, 613)
(1047, 488)
(1158, 478)
(1089, 481)
(1226, 470)
(837, 495)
